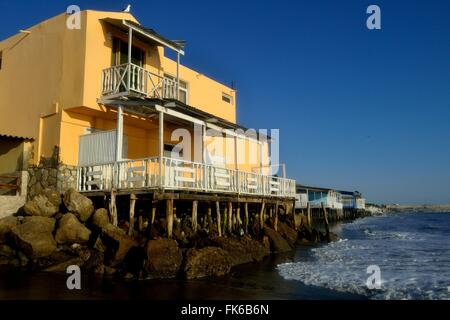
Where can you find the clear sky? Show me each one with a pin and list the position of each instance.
(357, 109)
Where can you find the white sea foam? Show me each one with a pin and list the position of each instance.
(413, 264)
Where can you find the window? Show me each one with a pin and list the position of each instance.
(183, 89)
(120, 53)
(227, 98)
(1, 55)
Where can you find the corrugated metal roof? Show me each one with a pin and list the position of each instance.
(15, 137)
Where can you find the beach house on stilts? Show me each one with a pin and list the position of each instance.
(108, 113)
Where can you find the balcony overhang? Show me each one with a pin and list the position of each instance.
(145, 107)
(146, 35)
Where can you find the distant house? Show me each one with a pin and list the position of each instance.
(318, 197)
(352, 200)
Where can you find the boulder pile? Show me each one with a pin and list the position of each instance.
(56, 231)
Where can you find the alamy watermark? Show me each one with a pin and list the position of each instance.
(374, 20)
(373, 282)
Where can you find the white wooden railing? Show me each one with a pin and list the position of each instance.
(179, 175)
(144, 82)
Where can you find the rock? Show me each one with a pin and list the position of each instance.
(333, 237)
(40, 206)
(95, 262)
(206, 262)
(62, 266)
(100, 218)
(40, 223)
(53, 196)
(34, 237)
(244, 250)
(117, 244)
(287, 233)
(277, 242)
(6, 251)
(5, 226)
(71, 230)
(80, 205)
(163, 258)
(266, 245)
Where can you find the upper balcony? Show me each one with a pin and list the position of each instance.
(129, 79)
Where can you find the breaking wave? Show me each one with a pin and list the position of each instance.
(411, 250)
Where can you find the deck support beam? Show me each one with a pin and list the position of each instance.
(113, 208)
(169, 217)
(194, 215)
(246, 218)
(230, 217)
(132, 206)
(219, 227)
(261, 214)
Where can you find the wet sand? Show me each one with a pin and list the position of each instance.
(247, 282)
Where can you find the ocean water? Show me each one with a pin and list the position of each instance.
(412, 251)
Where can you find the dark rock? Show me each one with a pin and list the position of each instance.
(164, 258)
(95, 262)
(287, 232)
(80, 205)
(40, 206)
(266, 245)
(5, 226)
(53, 196)
(100, 218)
(117, 244)
(244, 250)
(62, 266)
(205, 262)
(71, 230)
(34, 236)
(277, 242)
(134, 262)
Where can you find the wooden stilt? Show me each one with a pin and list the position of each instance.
(308, 213)
(153, 214)
(210, 222)
(246, 218)
(225, 220)
(230, 217)
(113, 208)
(169, 217)
(261, 214)
(325, 219)
(140, 222)
(194, 215)
(219, 225)
(275, 224)
(132, 206)
(238, 217)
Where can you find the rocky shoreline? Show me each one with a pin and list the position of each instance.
(54, 231)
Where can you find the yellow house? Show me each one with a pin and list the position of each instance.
(104, 103)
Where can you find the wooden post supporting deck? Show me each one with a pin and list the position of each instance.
(246, 218)
(194, 215)
(154, 213)
(210, 222)
(275, 224)
(113, 208)
(219, 226)
(169, 217)
(132, 205)
(238, 218)
(325, 219)
(308, 213)
(261, 214)
(230, 217)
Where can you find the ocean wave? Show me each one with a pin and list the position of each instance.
(411, 267)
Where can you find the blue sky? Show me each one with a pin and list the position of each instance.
(357, 109)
